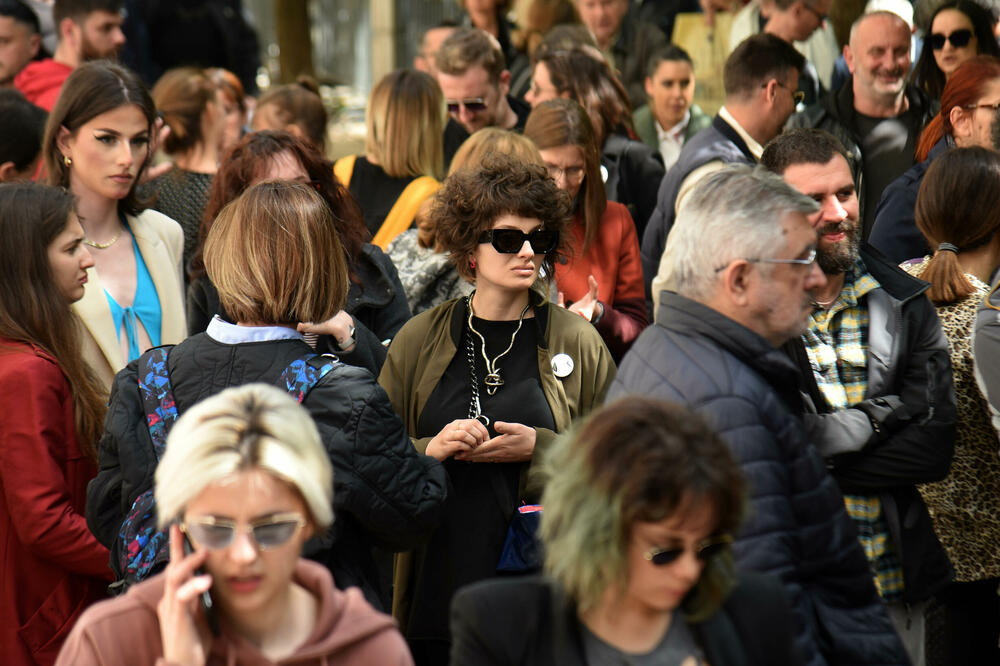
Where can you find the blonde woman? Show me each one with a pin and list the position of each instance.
(245, 481)
(403, 153)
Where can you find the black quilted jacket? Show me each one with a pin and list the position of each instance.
(385, 493)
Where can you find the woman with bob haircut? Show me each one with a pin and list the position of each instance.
(234, 105)
(403, 153)
(53, 407)
(295, 108)
(641, 504)
(245, 481)
(964, 120)
(97, 145)
(376, 304)
(275, 258)
(958, 212)
(485, 381)
(602, 282)
(192, 106)
(959, 30)
(427, 275)
(634, 170)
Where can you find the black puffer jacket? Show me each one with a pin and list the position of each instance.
(797, 526)
(385, 493)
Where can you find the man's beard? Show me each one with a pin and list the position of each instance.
(839, 257)
(90, 52)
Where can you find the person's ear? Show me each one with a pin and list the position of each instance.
(736, 282)
(503, 83)
(295, 131)
(8, 172)
(849, 58)
(34, 43)
(961, 122)
(771, 90)
(649, 86)
(63, 138)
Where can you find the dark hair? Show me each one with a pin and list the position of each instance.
(958, 203)
(636, 460)
(245, 164)
(755, 61)
(21, 130)
(92, 89)
(469, 47)
(472, 200)
(80, 9)
(668, 53)
(560, 122)
(32, 307)
(965, 87)
(585, 76)
(299, 104)
(926, 72)
(181, 96)
(20, 12)
(802, 146)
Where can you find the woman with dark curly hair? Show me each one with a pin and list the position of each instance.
(641, 505)
(376, 304)
(484, 382)
(959, 31)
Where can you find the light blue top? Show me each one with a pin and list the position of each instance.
(145, 308)
(222, 331)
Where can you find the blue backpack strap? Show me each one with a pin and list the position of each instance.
(143, 547)
(304, 373)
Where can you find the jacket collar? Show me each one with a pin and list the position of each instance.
(894, 280)
(841, 105)
(728, 131)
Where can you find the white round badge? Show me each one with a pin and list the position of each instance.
(562, 365)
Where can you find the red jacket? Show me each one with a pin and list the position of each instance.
(53, 567)
(41, 81)
(614, 261)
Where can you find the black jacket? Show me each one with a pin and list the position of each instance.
(376, 301)
(634, 171)
(530, 621)
(797, 526)
(385, 493)
(911, 397)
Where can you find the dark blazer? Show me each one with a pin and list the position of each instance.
(531, 621)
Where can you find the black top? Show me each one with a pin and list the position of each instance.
(181, 195)
(375, 191)
(466, 547)
(455, 135)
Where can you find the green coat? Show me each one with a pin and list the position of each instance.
(645, 125)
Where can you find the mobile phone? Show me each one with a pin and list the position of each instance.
(207, 607)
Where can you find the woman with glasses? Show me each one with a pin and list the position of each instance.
(484, 382)
(376, 305)
(640, 507)
(403, 153)
(243, 484)
(276, 260)
(959, 31)
(602, 281)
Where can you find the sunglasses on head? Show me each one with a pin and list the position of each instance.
(218, 533)
(958, 39)
(510, 241)
(474, 105)
(704, 551)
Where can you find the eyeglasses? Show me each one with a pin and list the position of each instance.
(819, 17)
(572, 173)
(958, 39)
(510, 241)
(994, 107)
(797, 95)
(704, 551)
(804, 261)
(473, 105)
(218, 533)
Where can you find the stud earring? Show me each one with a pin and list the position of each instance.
(472, 264)
(67, 161)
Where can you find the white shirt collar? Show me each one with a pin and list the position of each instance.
(222, 331)
(755, 148)
(674, 131)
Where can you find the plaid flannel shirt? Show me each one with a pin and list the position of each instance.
(837, 345)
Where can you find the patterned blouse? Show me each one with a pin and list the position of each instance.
(965, 506)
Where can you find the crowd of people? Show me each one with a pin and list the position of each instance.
(559, 370)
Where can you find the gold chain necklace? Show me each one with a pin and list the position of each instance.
(492, 378)
(104, 246)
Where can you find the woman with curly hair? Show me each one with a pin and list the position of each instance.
(482, 383)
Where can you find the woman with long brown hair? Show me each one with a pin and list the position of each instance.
(53, 408)
(602, 279)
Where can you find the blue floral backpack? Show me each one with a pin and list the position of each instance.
(142, 549)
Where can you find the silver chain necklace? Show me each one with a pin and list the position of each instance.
(492, 380)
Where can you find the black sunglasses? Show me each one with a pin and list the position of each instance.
(510, 241)
(474, 105)
(706, 550)
(958, 39)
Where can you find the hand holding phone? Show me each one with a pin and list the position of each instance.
(184, 639)
(207, 606)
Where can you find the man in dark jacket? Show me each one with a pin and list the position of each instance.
(744, 269)
(877, 115)
(879, 398)
(760, 78)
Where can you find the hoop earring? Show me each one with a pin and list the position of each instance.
(67, 161)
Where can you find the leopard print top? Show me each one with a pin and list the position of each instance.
(965, 506)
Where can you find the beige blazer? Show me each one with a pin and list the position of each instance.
(161, 243)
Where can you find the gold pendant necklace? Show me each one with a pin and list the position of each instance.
(104, 246)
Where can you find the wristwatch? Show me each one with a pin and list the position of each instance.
(347, 342)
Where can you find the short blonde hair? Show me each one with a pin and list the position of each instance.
(255, 426)
(490, 140)
(274, 256)
(405, 119)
